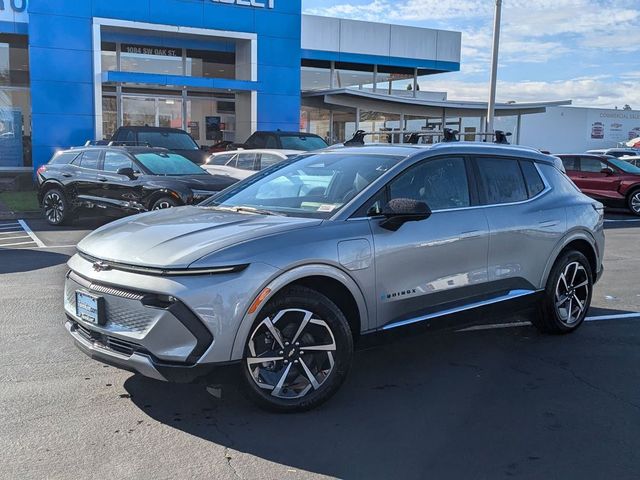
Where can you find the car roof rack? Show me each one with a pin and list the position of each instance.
(412, 138)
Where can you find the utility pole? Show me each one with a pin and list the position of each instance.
(494, 67)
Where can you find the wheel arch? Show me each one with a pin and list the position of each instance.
(163, 192)
(49, 185)
(581, 241)
(328, 280)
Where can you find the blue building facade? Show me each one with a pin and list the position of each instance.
(76, 70)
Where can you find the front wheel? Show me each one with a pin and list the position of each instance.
(163, 203)
(634, 202)
(298, 353)
(567, 296)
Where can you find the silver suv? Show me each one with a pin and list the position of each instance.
(277, 277)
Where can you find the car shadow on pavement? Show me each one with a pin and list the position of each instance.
(445, 405)
(28, 260)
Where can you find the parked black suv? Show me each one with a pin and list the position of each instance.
(285, 141)
(121, 180)
(173, 139)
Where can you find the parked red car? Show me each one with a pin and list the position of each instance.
(610, 180)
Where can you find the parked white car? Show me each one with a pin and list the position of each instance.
(241, 164)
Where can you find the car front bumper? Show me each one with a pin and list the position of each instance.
(166, 328)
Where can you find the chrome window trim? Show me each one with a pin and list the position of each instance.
(547, 189)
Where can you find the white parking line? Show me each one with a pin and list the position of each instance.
(6, 245)
(12, 232)
(498, 326)
(14, 238)
(9, 227)
(31, 234)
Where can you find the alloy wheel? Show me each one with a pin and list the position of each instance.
(162, 205)
(572, 293)
(53, 207)
(291, 353)
(635, 203)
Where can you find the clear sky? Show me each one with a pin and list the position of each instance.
(582, 50)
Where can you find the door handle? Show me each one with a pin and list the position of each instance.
(102, 179)
(67, 175)
(548, 224)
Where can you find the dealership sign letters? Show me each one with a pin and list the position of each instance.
(249, 3)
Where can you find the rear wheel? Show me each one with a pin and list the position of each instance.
(567, 295)
(163, 203)
(633, 202)
(55, 207)
(298, 353)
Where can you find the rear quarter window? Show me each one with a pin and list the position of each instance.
(63, 158)
(532, 178)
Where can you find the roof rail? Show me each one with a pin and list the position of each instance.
(413, 138)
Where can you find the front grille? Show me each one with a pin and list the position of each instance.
(108, 342)
(123, 309)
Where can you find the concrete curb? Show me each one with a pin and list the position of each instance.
(9, 215)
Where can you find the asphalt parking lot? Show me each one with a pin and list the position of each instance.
(486, 403)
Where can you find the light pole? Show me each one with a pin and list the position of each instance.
(494, 67)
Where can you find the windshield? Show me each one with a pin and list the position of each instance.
(625, 166)
(168, 164)
(169, 140)
(315, 186)
(302, 142)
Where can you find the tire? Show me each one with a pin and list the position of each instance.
(297, 379)
(633, 202)
(56, 209)
(567, 296)
(163, 203)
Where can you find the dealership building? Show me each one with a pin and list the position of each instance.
(72, 71)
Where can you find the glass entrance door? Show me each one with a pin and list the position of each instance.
(152, 112)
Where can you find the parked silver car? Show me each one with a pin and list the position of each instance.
(281, 274)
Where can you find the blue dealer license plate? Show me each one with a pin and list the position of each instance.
(89, 308)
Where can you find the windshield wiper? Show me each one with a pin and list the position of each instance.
(245, 209)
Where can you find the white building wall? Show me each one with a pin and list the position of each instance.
(576, 129)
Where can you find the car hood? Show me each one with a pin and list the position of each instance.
(213, 183)
(177, 237)
(196, 156)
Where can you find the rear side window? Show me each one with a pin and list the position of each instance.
(532, 178)
(89, 159)
(63, 158)
(247, 161)
(569, 163)
(268, 159)
(501, 181)
(591, 165)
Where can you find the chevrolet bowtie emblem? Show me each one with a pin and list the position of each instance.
(101, 267)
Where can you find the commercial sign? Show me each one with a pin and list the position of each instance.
(249, 3)
(613, 126)
(14, 11)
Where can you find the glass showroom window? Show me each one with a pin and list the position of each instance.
(315, 75)
(381, 122)
(211, 64)
(211, 120)
(151, 59)
(352, 75)
(15, 102)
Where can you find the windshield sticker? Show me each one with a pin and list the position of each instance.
(326, 208)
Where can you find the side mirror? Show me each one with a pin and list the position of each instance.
(608, 171)
(127, 172)
(402, 210)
